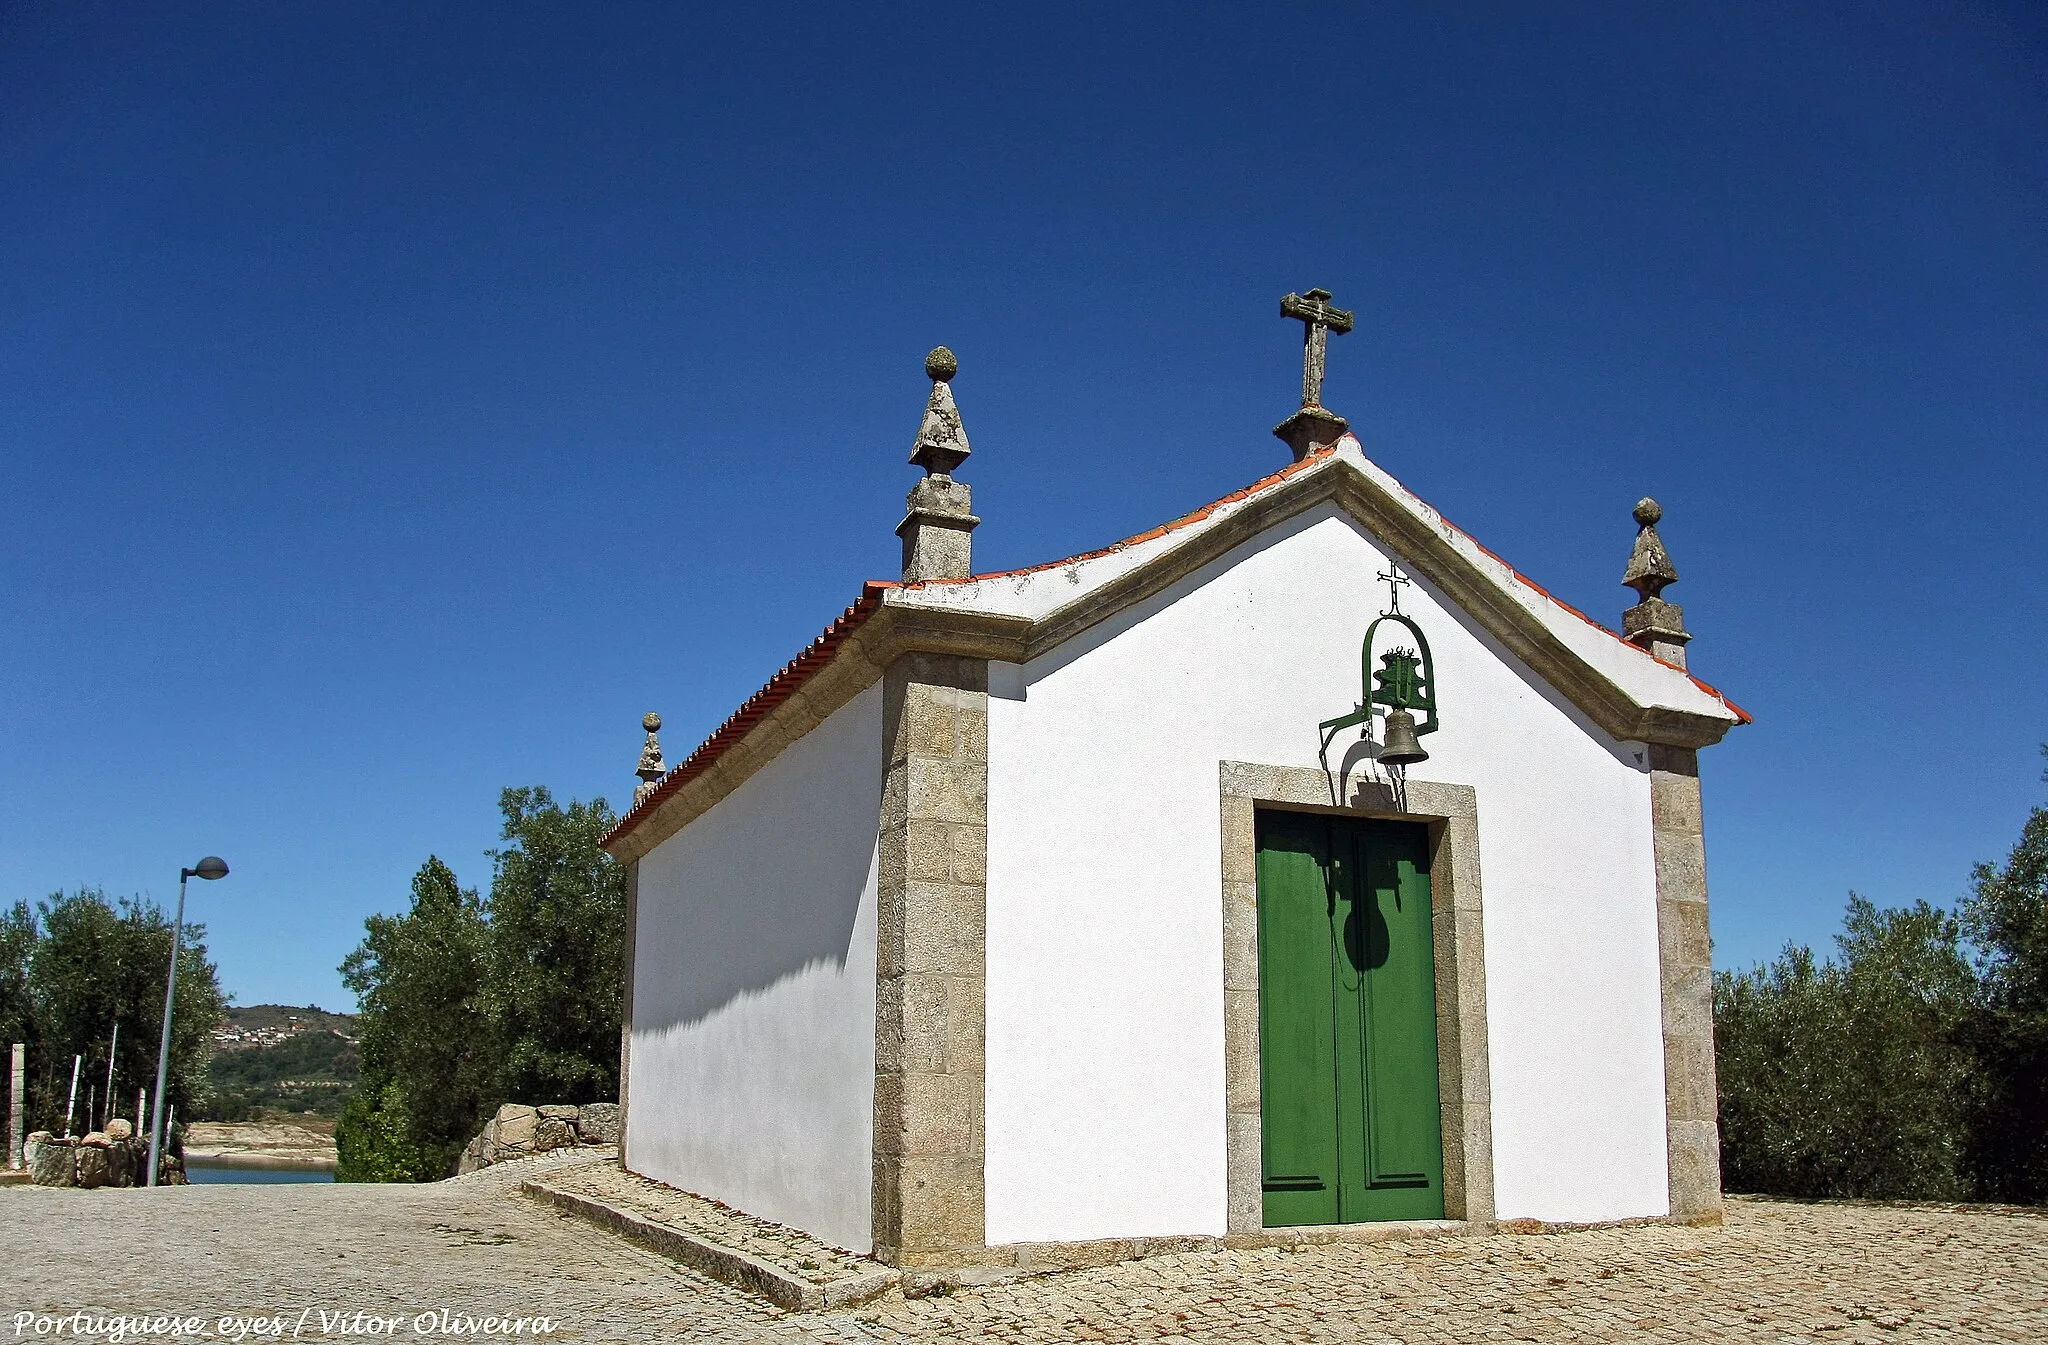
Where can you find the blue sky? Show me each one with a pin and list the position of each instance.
(397, 401)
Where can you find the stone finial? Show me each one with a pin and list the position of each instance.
(941, 440)
(651, 768)
(1649, 565)
(1653, 624)
(1313, 426)
(940, 516)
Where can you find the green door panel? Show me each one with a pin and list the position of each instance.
(1347, 1021)
(1297, 1045)
(1403, 1158)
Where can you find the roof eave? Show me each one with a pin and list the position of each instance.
(882, 633)
(892, 620)
(1437, 551)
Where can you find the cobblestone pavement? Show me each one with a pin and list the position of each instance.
(1777, 1272)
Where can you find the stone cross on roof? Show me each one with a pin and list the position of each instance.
(1312, 427)
(1318, 319)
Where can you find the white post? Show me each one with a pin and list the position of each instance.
(17, 1089)
(141, 1109)
(71, 1102)
(111, 1044)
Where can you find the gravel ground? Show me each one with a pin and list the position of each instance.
(364, 1262)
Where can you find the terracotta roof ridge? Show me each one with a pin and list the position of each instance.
(1606, 630)
(1185, 520)
(756, 707)
(821, 650)
(1293, 469)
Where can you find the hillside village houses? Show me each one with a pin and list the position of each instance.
(1297, 862)
(229, 1036)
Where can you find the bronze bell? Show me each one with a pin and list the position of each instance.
(1402, 747)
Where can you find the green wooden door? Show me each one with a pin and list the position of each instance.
(1347, 1022)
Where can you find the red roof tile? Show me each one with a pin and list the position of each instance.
(1176, 525)
(799, 669)
(792, 675)
(1740, 713)
(821, 650)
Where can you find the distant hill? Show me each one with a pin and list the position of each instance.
(273, 1061)
(268, 1024)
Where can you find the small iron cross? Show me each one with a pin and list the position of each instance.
(1392, 574)
(1318, 319)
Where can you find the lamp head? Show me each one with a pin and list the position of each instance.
(209, 868)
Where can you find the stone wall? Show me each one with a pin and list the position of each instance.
(116, 1156)
(520, 1131)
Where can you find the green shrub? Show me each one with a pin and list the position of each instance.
(1914, 1066)
(467, 1003)
(374, 1142)
(1849, 1079)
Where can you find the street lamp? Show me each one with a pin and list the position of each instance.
(209, 868)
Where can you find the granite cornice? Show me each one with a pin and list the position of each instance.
(1248, 520)
(896, 629)
(1429, 552)
(903, 625)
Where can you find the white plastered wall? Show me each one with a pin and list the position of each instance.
(753, 1047)
(1105, 1054)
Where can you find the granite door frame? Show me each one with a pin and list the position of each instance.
(1451, 813)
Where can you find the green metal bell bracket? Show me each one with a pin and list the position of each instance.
(1403, 685)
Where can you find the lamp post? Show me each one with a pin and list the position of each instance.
(209, 868)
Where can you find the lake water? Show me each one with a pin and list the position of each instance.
(204, 1175)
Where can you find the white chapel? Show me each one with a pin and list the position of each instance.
(1295, 863)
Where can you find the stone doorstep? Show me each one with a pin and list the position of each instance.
(783, 1288)
(795, 1292)
(794, 1252)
